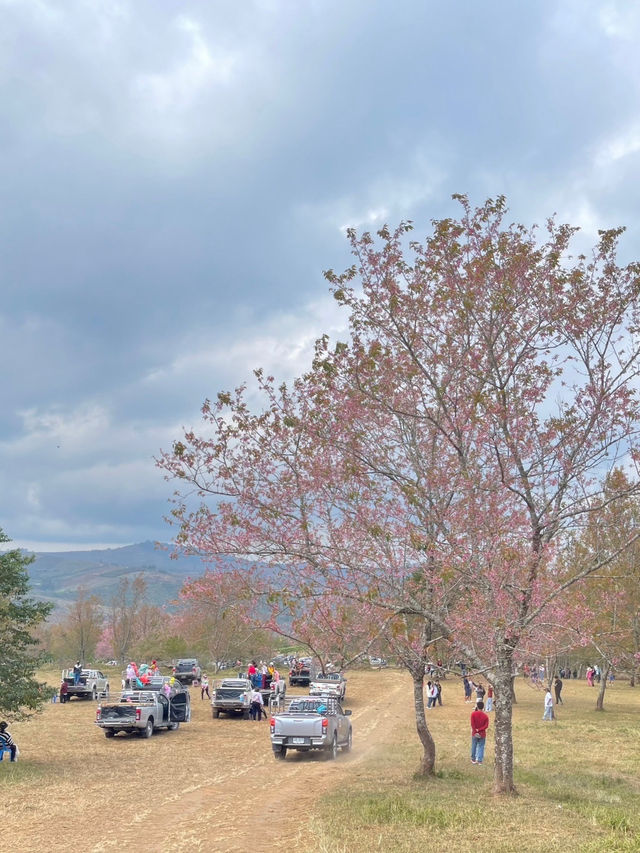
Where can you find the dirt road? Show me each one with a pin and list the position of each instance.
(213, 785)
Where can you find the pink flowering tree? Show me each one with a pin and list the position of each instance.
(431, 469)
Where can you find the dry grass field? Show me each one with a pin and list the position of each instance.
(214, 785)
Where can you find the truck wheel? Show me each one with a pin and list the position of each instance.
(280, 753)
(348, 744)
(148, 729)
(215, 713)
(245, 715)
(333, 749)
(173, 727)
(109, 733)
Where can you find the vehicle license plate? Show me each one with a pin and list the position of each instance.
(297, 740)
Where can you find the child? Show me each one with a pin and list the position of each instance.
(489, 706)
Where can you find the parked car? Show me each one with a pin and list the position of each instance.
(377, 663)
(146, 709)
(310, 723)
(91, 685)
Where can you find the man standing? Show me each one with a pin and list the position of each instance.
(256, 705)
(77, 672)
(479, 726)
(557, 686)
(548, 705)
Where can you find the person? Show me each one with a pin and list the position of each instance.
(557, 687)
(439, 689)
(204, 687)
(548, 705)
(467, 689)
(251, 671)
(64, 692)
(479, 726)
(480, 691)
(77, 672)
(590, 674)
(432, 694)
(489, 698)
(257, 704)
(7, 740)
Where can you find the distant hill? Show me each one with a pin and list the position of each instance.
(56, 576)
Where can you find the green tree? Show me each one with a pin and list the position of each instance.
(20, 693)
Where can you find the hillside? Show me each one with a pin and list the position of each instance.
(56, 576)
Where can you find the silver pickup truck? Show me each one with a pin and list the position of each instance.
(143, 710)
(311, 723)
(231, 696)
(92, 684)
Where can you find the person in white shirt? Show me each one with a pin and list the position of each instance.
(204, 687)
(548, 705)
(256, 705)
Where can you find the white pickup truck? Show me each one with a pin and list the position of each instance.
(332, 684)
(310, 723)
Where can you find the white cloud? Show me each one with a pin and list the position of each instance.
(177, 88)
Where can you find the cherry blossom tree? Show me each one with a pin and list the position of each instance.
(431, 468)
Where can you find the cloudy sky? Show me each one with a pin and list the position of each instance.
(176, 175)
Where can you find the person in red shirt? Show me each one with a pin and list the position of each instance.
(479, 726)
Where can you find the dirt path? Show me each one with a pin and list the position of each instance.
(248, 794)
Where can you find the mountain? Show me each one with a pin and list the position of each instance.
(56, 576)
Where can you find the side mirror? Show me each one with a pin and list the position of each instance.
(347, 713)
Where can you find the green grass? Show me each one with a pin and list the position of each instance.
(577, 781)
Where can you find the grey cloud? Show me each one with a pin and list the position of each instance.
(175, 177)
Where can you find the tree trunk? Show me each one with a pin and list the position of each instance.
(428, 761)
(503, 703)
(603, 686)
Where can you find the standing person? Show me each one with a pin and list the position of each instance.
(479, 726)
(204, 686)
(432, 694)
(256, 705)
(7, 740)
(480, 691)
(548, 705)
(590, 674)
(64, 691)
(557, 686)
(467, 689)
(439, 689)
(489, 698)
(77, 672)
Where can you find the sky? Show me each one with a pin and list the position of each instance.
(176, 176)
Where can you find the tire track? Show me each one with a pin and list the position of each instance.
(252, 796)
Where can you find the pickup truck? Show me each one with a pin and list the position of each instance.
(145, 709)
(187, 670)
(231, 696)
(311, 723)
(300, 675)
(92, 684)
(333, 684)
